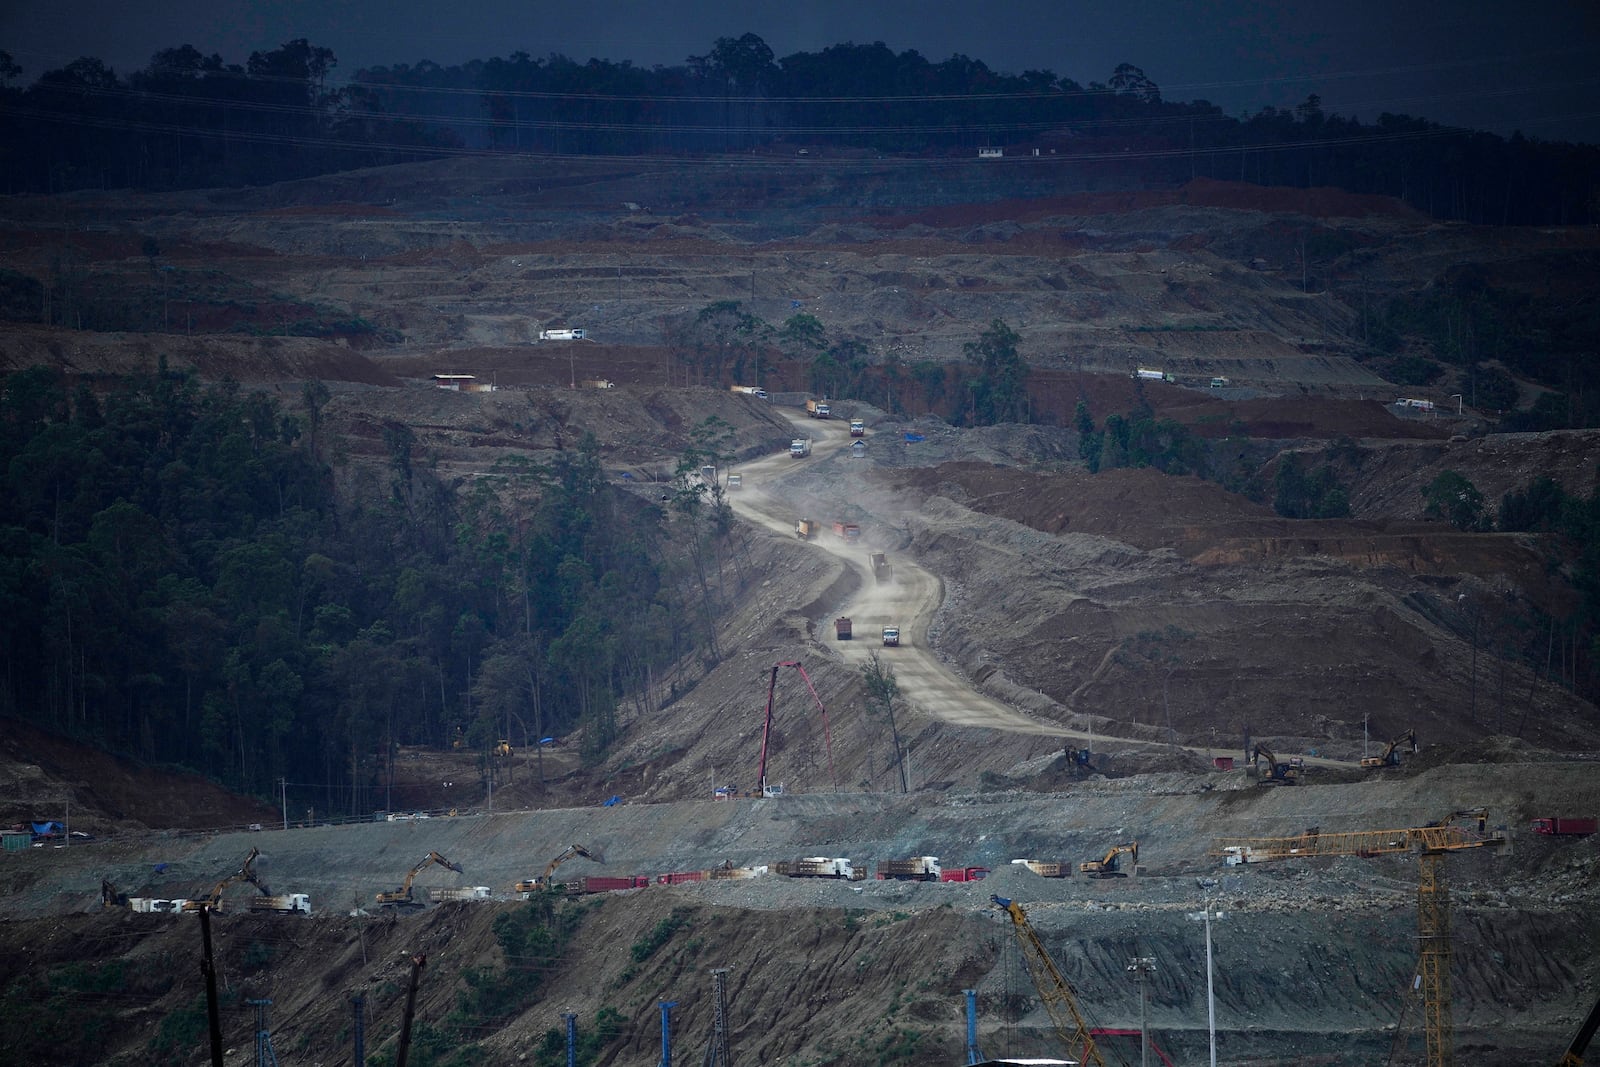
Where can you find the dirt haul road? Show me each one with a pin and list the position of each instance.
(908, 601)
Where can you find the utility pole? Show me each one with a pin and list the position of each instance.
(283, 786)
(1206, 886)
(208, 967)
(1141, 966)
(404, 1053)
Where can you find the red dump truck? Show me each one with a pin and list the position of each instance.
(1566, 825)
(842, 629)
(1047, 868)
(847, 530)
(964, 874)
(680, 877)
(608, 883)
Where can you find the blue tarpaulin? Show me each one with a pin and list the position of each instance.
(915, 437)
(613, 802)
(45, 829)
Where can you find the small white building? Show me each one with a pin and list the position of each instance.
(462, 383)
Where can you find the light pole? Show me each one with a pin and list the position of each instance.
(1141, 966)
(1206, 886)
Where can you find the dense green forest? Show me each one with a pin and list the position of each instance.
(182, 583)
(191, 120)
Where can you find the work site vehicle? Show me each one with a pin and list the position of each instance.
(1272, 771)
(246, 873)
(820, 867)
(818, 409)
(1391, 754)
(881, 571)
(1109, 865)
(1563, 825)
(858, 428)
(530, 885)
(750, 390)
(841, 628)
(401, 897)
(805, 529)
(847, 530)
(964, 874)
(285, 902)
(800, 447)
(608, 883)
(915, 869)
(1047, 868)
(891, 636)
(456, 894)
(735, 481)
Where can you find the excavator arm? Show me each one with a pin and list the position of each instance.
(403, 894)
(213, 901)
(565, 854)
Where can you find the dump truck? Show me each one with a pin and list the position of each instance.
(735, 481)
(597, 383)
(841, 628)
(607, 883)
(800, 447)
(1047, 868)
(881, 571)
(820, 867)
(891, 636)
(964, 874)
(750, 390)
(1566, 825)
(680, 877)
(819, 409)
(915, 869)
(1147, 375)
(284, 902)
(456, 894)
(562, 335)
(847, 530)
(806, 529)
(858, 428)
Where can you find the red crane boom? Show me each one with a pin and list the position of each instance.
(766, 729)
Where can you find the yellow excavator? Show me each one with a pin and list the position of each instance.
(1276, 772)
(534, 884)
(401, 898)
(246, 873)
(1391, 755)
(1108, 866)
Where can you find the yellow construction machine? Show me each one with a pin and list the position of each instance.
(1391, 755)
(1108, 866)
(401, 898)
(213, 901)
(543, 881)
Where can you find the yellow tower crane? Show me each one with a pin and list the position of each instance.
(1456, 832)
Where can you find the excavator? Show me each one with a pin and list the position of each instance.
(1573, 1057)
(1391, 755)
(401, 898)
(246, 873)
(110, 898)
(1107, 866)
(1276, 772)
(532, 885)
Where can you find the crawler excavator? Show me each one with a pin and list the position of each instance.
(1108, 866)
(1276, 772)
(246, 873)
(1391, 755)
(533, 885)
(401, 898)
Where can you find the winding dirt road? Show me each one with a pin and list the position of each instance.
(908, 601)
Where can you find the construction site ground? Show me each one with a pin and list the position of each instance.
(1159, 622)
